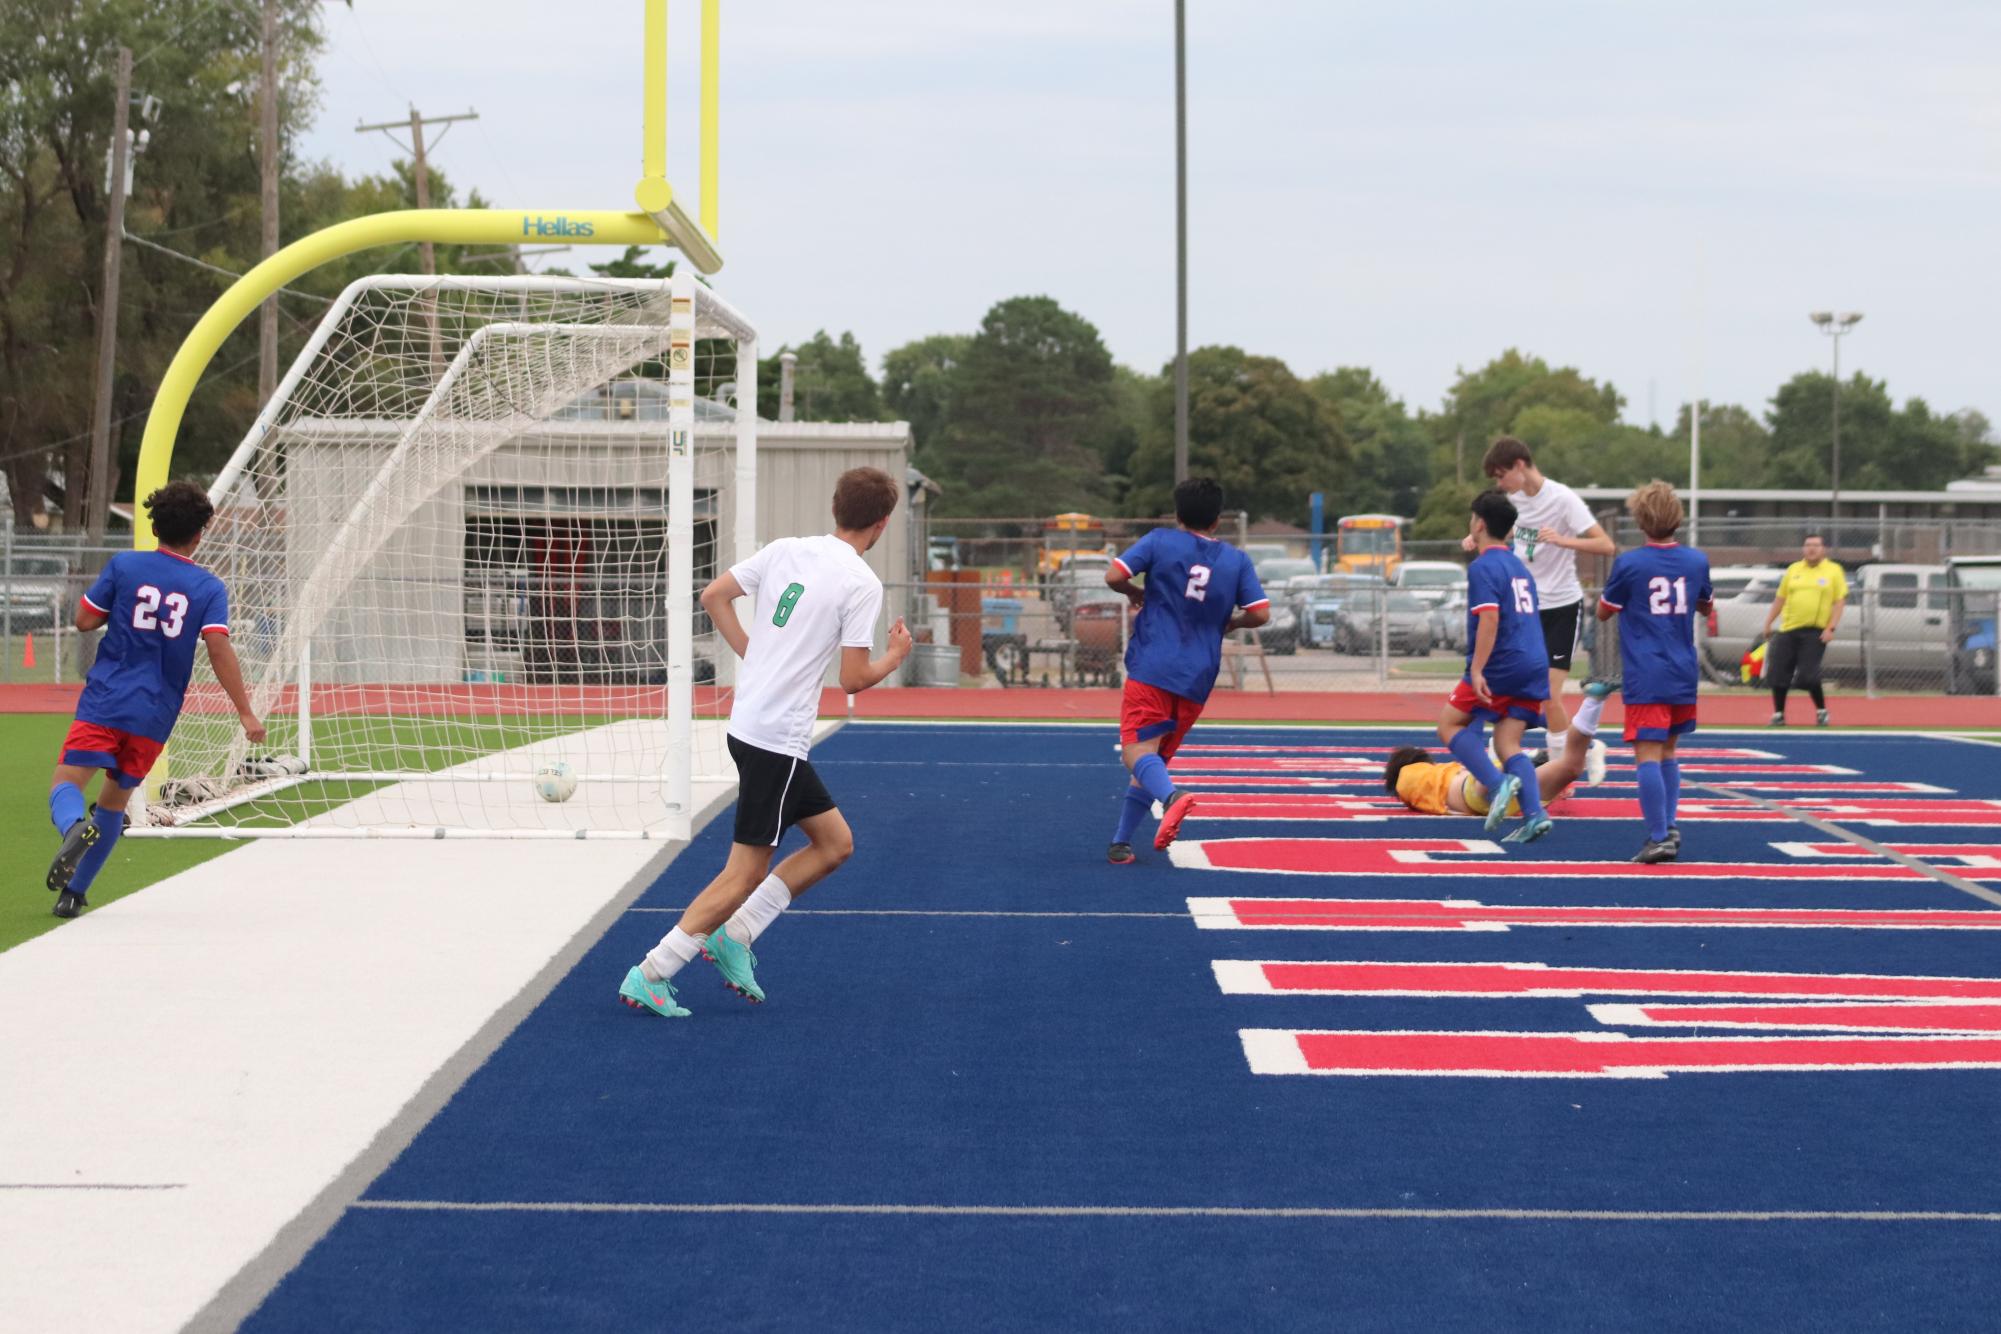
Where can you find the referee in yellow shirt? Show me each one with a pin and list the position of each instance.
(1808, 607)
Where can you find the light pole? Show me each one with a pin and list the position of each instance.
(1180, 244)
(1834, 325)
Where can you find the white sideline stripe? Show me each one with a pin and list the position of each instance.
(1193, 1211)
(1241, 977)
(793, 913)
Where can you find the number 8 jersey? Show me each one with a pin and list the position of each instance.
(1656, 590)
(158, 606)
(1194, 585)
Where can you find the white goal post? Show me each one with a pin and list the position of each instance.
(462, 543)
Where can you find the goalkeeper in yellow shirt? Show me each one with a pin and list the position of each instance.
(1432, 787)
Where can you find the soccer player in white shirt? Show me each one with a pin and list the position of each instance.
(1553, 525)
(811, 597)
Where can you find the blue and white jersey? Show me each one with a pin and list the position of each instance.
(1519, 664)
(1656, 590)
(158, 606)
(1194, 585)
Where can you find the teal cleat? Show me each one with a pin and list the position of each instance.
(658, 997)
(734, 961)
(1500, 799)
(1601, 689)
(1531, 830)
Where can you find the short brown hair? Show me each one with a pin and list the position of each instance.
(1656, 508)
(863, 498)
(178, 512)
(1504, 454)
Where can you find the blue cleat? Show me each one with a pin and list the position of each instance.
(658, 997)
(734, 961)
(1601, 689)
(1502, 797)
(1531, 830)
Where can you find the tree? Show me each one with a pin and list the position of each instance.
(1490, 402)
(1736, 447)
(1254, 427)
(1392, 455)
(1443, 513)
(831, 383)
(918, 383)
(1029, 416)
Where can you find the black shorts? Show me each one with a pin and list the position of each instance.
(1792, 658)
(1559, 634)
(773, 793)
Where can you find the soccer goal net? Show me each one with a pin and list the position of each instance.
(462, 545)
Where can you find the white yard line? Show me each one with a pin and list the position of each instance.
(244, 1031)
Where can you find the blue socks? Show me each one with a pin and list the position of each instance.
(1522, 767)
(1136, 807)
(110, 824)
(1151, 774)
(65, 806)
(1654, 800)
(1470, 749)
(1671, 782)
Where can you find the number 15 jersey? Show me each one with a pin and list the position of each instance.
(1194, 584)
(1519, 664)
(1656, 590)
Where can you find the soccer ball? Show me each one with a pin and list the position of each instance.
(555, 781)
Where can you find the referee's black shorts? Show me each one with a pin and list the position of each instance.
(774, 792)
(1793, 658)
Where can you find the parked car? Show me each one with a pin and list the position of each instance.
(1894, 628)
(1079, 578)
(1273, 572)
(1259, 552)
(36, 591)
(1441, 586)
(1316, 598)
(1973, 591)
(1362, 622)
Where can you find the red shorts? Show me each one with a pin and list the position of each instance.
(1504, 706)
(1148, 712)
(129, 758)
(1658, 722)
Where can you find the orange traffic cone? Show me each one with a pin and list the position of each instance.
(28, 653)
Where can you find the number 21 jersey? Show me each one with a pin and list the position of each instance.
(1656, 589)
(1194, 584)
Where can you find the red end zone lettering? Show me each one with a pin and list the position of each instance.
(1483, 859)
(1909, 1017)
(1223, 914)
(1597, 1055)
(1264, 977)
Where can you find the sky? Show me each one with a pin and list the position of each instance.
(1655, 194)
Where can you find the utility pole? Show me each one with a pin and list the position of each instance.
(97, 479)
(1180, 243)
(267, 163)
(427, 255)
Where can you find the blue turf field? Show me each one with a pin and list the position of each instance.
(978, 1012)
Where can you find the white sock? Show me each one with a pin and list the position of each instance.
(1556, 740)
(760, 910)
(1586, 718)
(676, 950)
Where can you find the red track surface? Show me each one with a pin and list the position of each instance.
(1734, 710)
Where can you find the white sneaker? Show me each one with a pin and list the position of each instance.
(1594, 763)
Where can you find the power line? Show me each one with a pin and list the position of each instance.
(136, 239)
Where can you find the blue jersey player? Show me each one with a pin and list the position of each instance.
(1657, 592)
(155, 607)
(1507, 672)
(1197, 591)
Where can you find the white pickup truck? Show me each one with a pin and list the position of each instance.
(1902, 611)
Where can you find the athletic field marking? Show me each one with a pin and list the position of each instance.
(948, 912)
(91, 1185)
(1195, 1211)
(1253, 914)
(1267, 977)
(1944, 877)
(1944, 1016)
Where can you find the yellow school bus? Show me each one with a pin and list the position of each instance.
(1368, 544)
(1069, 535)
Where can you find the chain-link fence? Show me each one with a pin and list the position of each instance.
(42, 577)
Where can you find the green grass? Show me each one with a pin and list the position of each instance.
(28, 747)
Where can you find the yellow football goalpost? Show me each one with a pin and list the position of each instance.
(660, 221)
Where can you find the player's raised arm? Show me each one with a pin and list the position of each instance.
(859, 671)
(719, 601)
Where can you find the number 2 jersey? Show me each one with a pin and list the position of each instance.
(1656, 590)
(1518, 667)
(1194, 585)
(157, 607)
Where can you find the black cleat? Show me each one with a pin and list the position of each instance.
(1674, 837)
(81, 836)
(69, 905)
(1120, 854)
(1652, 852)
(1539, 759)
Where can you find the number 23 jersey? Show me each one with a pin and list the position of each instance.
(1194, 584)
(1656, 590)
(156, 606)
